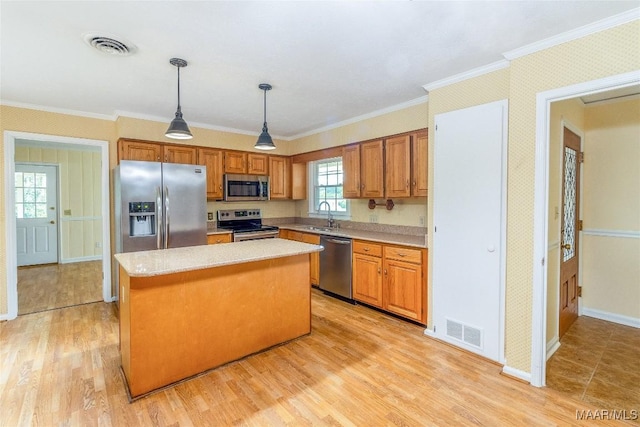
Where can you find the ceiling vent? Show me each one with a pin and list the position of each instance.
(109, 45)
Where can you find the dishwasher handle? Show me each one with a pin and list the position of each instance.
(340, 242)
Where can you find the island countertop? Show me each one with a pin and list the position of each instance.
(176, 260)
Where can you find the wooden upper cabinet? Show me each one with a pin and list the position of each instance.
(279, 177)
(180, 154)
(398, 166)
(351, 171)
(212, 159)
(131, 149)
(298, 181)
(420, 160)
(235, 162)
(372, 169)
(258, 164)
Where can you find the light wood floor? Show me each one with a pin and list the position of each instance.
(598, 362)
(358, 367)
(50, 286)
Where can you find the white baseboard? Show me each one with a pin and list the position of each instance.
(429, 333)
(81, 259)
(4, 317)
(611, 317)
(517, 373)
(553, 346)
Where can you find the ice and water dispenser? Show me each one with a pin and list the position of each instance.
(142, 219)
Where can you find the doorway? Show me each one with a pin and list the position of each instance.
(543, 211)
(102, 250)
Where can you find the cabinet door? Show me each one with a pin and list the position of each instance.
(367, 279)
(298, 181)
(139, 150)
(419, 172)
(235, 162)
(351, 171)
(403, 289)
(397, 166)
(314, 239)
(180, 154)
(257, 164)
(279, 177)
(372, 169)
(212, 159)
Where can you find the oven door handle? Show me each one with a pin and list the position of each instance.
(239, 237)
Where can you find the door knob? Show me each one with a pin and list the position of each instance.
(52, 222)
(566, 246)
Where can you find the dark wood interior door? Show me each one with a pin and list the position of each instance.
(570, 231)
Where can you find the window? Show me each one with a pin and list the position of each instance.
(326, 186)
(31, 195)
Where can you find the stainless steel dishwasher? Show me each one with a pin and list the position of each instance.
(335, 266)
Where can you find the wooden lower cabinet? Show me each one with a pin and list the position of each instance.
(367, 279)
(392, 278)
(314, 239)
(213, 239)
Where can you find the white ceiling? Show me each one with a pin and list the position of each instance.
(328, 61)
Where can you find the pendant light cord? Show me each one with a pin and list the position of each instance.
(179, 109)
(264, 125)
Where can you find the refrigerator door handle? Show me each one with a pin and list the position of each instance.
(166, 219)
(159, 219)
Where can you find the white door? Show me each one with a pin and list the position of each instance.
(469, 221)
(36, 214)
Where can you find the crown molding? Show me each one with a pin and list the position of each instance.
(495, 66)
(411, 103)
(66, 111)
(585, 30)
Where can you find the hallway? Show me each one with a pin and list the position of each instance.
(51, 286)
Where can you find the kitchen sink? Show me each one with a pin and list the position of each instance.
(333, 231)
(311, 227)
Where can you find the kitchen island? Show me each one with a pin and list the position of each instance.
(184, 311)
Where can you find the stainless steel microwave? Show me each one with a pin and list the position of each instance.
(240, 188)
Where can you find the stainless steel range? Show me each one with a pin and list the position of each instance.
(246, 224)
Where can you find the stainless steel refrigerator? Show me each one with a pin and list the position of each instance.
(159, 205)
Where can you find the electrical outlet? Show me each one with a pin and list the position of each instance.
(373, 219)
(210, 216)
(67, 212)
(421, 219)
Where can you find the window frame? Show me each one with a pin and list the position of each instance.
(313, 211)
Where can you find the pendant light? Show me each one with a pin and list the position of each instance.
(178, 128)
(264, 141)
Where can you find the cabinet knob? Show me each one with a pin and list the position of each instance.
(378, 270)
(366, 249)
(407, 183)
(400, 254)
(385, 271)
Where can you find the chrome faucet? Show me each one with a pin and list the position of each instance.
(330, 219)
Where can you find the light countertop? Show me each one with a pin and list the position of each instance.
(176, 260)
(419, 241)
